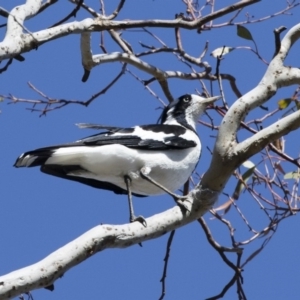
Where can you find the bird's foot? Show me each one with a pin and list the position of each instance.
(132, 217)
(140, 219)
(183, 203)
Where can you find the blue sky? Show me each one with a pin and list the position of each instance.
(40, 213)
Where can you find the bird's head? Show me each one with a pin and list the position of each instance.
(186, 110)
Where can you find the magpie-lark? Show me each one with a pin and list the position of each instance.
(142, 160)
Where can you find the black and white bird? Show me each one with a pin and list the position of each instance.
(142, 160)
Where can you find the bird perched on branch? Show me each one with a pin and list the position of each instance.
(142, 160)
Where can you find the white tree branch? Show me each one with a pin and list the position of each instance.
(86, 51)
(13, 42)
(18, 15)
(260, 140)
(16, 42)
(160, 75)
(228, 154)
(46, 271)
(275, 77)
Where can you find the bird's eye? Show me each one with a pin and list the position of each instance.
(186, 99)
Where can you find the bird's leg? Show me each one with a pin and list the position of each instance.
(178, 199)
(145, 176)
(132, 217)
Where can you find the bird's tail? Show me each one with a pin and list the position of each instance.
(35, 157)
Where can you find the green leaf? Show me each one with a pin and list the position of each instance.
(284, 103)
(292, 175)
(244, 33)
(221, 51)
(241, 183)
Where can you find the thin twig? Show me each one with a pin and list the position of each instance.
(60, 103)
(166, 260)
(9, 62)
(70, 15)
(116, 11)
(277, 33)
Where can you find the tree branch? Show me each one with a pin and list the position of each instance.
(225, 153)
(18, 43)
(70, 15)
(131, 59)
(45, 272)
(267, 135)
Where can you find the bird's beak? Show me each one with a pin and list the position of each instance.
(211, 99)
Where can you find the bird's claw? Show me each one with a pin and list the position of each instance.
(182, 203)
(140, 219)
(180, 198)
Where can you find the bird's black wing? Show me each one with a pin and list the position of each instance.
(147, 137)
